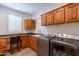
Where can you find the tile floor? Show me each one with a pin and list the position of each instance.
(24, 52)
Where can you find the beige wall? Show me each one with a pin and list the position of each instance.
(71, 28)
(4, 12)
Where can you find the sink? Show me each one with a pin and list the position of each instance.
(47, 36)
(35, 33)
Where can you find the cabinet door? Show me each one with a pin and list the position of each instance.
(50, 18)
(24, 41)
(44, 20)
(29, 24)
(33, 22)
(3, 45)
(72, 12)
(34, 43)
(59, 16)
(29, 41)
(26, 24)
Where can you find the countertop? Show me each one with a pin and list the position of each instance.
(76, 37)
(38, 34)
(19, 34)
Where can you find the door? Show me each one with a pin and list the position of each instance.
(33, 22)
(59, 16)
(24, 40)
(29, 24)
(50, 18)
(3, 45)
(34, 43)
(26, 24)
(44, 20)
(72, 12)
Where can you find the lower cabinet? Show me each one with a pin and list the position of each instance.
(24, 41)
(33, 43)
(29, 41)
(3, 45)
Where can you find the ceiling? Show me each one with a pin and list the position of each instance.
(28, 8)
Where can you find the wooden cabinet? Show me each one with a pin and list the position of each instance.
(34, 43)
(59, 15)
(29, 24)
(3, 45)
(44, 19)
(29, 41)
(50, 18)
(25, 41)
(65, 14)
(47, 19)
(72, 12)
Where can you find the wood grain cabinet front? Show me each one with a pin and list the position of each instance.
(29, 24)
(65, 14)
(44, 20)
(50, 18)
(59, 16)
(3, 45)
(34, 43)
(72, 12)
(24, 41)
(29, 41)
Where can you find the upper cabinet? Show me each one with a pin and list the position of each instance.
(59, 16)
(47, 19)
(50, 18)
(29, 24)
(72, 12)
(44, 20)
(65, 14)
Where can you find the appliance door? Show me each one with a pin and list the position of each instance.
(59, 48)
(42, 47)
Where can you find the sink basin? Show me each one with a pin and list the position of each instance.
(35, 33)
(47, 36)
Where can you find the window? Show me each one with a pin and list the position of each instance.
(15, 23)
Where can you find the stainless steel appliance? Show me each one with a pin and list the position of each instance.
(43, 44)
(58, 47)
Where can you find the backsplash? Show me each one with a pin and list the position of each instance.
(69, 28)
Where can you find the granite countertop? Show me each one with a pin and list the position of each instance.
(19, 34)
(38, 34)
